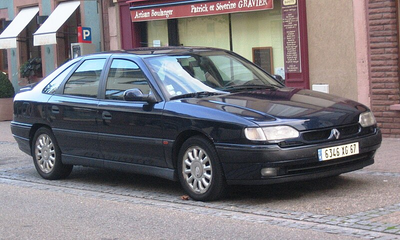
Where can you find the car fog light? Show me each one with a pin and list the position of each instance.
(269, 172)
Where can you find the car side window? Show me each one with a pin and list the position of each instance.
(85, 80)
(124, 75)
(52, 87)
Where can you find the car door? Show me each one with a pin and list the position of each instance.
(130, 131)
(74, 115)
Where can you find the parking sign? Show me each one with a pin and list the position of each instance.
(84, 35)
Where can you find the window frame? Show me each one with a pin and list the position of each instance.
(109, 68)
(61, 88)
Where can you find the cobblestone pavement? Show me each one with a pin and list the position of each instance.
(364, 204)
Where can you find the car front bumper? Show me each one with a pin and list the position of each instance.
(243, 164)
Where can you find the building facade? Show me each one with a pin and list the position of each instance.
(40, 33)
(272, 33)
(346, 48)
(383, 26)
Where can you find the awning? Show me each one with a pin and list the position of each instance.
(8, 39)
(46, 34)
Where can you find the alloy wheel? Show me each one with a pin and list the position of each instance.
(197, 169)
(45, 153)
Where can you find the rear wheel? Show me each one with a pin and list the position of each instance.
(47, 156)
(200, 171)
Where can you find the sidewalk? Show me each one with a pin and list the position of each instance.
(372, 208)
(5, 132)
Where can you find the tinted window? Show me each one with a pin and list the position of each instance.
(125, 75)
(85, 80)
(52, 87)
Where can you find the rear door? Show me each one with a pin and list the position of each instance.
(74, 112)
(130, 131)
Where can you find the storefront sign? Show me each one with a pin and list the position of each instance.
(291, 36)
(198, 9)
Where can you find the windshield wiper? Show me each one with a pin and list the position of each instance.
(249, 87)
(196, 95)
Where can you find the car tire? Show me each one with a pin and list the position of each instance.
(200, 172)
(47, 156)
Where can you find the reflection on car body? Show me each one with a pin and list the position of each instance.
(202, 116)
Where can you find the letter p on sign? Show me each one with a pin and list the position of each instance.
(84, 35)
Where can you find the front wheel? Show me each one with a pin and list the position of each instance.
(47, 156)
(200, 171)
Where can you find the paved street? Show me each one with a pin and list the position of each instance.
(101, 204)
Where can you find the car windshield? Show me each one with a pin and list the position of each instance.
(209, 72)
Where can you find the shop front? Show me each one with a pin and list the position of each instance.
(270, 33)
(36, 36)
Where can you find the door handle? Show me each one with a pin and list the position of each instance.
(106, 115)
(55, 109)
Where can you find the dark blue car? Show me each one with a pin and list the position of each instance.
(206, 117)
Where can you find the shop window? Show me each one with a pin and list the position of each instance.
(157, 33)
(66, 35)
(27, 51)
(210, 31)
(256, 34)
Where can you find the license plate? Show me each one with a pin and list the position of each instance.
(330, 153)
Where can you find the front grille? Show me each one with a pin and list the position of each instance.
(325, 134)
(316, 135)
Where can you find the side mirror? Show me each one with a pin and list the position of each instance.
(279, 79)
(136, 94)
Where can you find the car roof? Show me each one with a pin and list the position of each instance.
(170, 50)
(155, 51)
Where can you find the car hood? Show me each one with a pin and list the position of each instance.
(302, 109)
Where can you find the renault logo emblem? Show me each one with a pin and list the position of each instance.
(335, 134)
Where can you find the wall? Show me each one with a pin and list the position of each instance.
(384, 64)
(48, 52)
(91, 18)
(331, 41)
(114, 28)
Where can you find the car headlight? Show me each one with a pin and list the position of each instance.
(367, 119)
(271, 133)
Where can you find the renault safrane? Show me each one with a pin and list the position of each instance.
(205, 117)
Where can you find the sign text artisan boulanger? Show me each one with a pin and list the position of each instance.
(199, 9)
